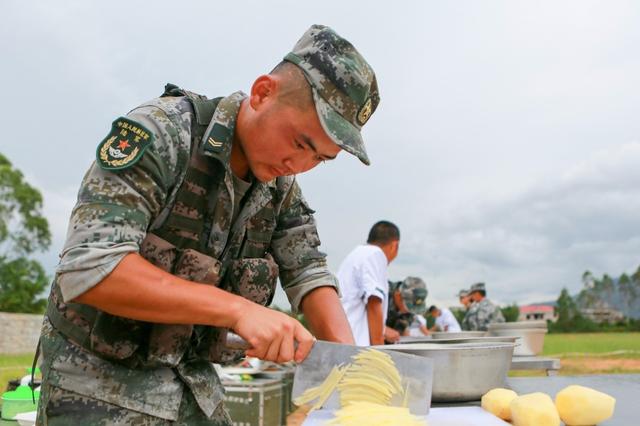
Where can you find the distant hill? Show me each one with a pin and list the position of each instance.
(621, 294)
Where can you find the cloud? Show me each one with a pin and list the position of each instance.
(528, 245)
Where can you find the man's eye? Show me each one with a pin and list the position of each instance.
(299, 145)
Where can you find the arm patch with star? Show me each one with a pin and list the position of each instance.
(124, 145)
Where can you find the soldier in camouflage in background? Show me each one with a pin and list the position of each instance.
(482, 312)
(183, 225)
(406, 302)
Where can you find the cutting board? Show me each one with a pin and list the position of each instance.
(443, 416)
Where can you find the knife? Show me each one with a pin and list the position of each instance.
(416, 372)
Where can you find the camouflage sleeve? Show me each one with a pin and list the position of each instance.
(295, 248)
(497, 315)
(469, 321)
(114, 209)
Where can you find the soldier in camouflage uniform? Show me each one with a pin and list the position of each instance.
(183, 225)
(482, 312)
(407, 300)
(465, 299)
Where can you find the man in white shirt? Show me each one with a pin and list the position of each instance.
(364, 286)
(445, 320)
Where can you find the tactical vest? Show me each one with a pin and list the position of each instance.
(177, 243)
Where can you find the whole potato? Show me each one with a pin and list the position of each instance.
(497, 401)
(534, 409)
(582, 406)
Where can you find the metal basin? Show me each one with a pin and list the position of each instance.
(457, 334)
(465, 371)
(530, 340)
(517, 325)
(415, 339)
(483, 339)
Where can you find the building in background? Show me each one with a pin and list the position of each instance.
(537, 313)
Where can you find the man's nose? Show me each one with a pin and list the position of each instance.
(290, 167)
(298, 164)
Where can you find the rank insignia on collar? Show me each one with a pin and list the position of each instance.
(217, 138)
(124, 145)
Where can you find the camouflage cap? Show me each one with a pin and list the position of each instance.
(344, 86)
(477, 287)
(414, 294)
(463, 293)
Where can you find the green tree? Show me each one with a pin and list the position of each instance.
(511, 312)
(569, 317)
(23, 231)
(459, 313)
(588, 279)
(565, 310)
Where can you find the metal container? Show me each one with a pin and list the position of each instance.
(483, 339)
(256, 403)
(530, 340)
(463, 371)
(415, 339)
(457, 334)
(285, 376)
(517, 325)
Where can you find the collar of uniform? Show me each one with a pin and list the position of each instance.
(218, 138)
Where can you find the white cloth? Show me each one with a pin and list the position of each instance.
(362, 274)
(414, 328)
(447, 321)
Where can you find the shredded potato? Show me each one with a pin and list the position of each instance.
(370, 414)
(366, 388)
(323, 391)
(371, 377)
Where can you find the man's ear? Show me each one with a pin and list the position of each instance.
(264, 89)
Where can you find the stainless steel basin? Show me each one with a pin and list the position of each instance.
(463, 371)
(517, 325)
(530, 340)
(457, 334)
(483, 339)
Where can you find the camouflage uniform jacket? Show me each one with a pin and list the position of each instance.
(142, 366)
(480, 315)
(397, 320)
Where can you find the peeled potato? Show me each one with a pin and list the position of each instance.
(581, 406)
(534, 409)
(497, 402)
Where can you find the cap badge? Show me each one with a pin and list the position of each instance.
(365, 112)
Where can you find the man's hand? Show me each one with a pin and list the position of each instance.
(272, 334)
(391, 335)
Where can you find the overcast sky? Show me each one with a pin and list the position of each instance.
(506, 145)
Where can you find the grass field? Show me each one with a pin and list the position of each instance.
(592, 353)
(628, 344)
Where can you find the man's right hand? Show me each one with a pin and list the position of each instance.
(272, 334)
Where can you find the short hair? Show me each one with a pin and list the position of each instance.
(295, 90)
(433, 308)
(383, 232)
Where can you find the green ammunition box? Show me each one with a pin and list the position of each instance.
(286, 377)
(254, 403)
